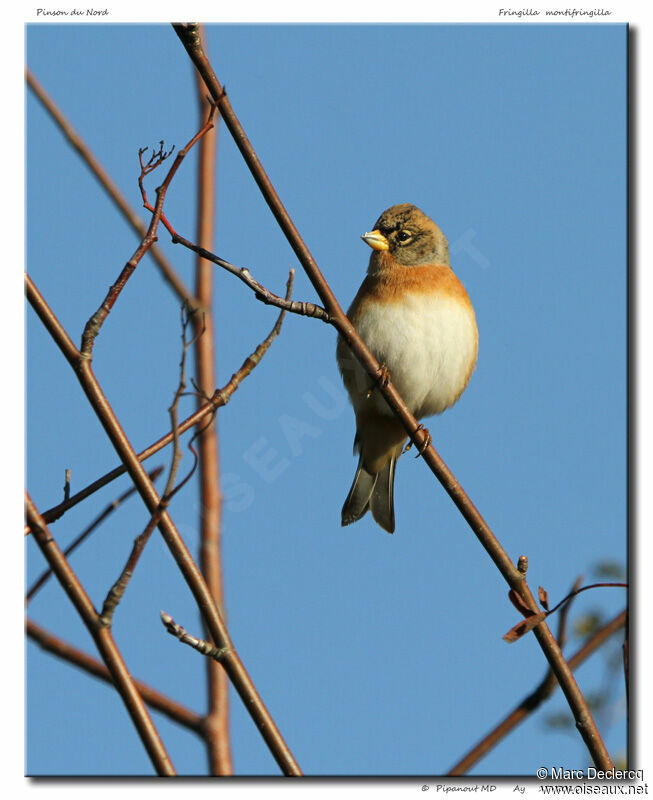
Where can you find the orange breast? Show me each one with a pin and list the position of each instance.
(388, 281)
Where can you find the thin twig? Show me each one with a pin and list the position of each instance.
(189, 36)
(113, 505)
(118, 588)
(533, 618)
(202, 646)
(103, 640)
(66, 486)
(574, 592)
(561, 636)
(189, 569)
(267, 297)
(167, 270)
(626, 648)
(78, 658)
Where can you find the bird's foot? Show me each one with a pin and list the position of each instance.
(422, 447)
(382, 378)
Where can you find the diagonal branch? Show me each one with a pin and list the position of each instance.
(302, 308)
(189, 37)
(103, 640)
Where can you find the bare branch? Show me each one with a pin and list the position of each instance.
(304, 309)
(574, 592)
(203, 647)
(216, 729)
(117, 590)
(564, 615)
(66, 487)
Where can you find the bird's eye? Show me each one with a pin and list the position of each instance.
(403, 236)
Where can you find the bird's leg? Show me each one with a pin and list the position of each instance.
(426, 443)
(383, 377)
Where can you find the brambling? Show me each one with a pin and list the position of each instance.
(417, 319)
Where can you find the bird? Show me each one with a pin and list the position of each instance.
(416, 317)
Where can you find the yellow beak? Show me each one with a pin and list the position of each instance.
(376, 240)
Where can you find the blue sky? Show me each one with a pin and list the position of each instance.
(375, 654)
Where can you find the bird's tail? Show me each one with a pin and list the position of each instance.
(374, 492)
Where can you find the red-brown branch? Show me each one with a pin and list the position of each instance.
(217, 718)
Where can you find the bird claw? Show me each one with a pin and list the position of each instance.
(427, 441)
(383, 378)
(423, 447)
(384, 375)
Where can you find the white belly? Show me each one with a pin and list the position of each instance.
(429, 346)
